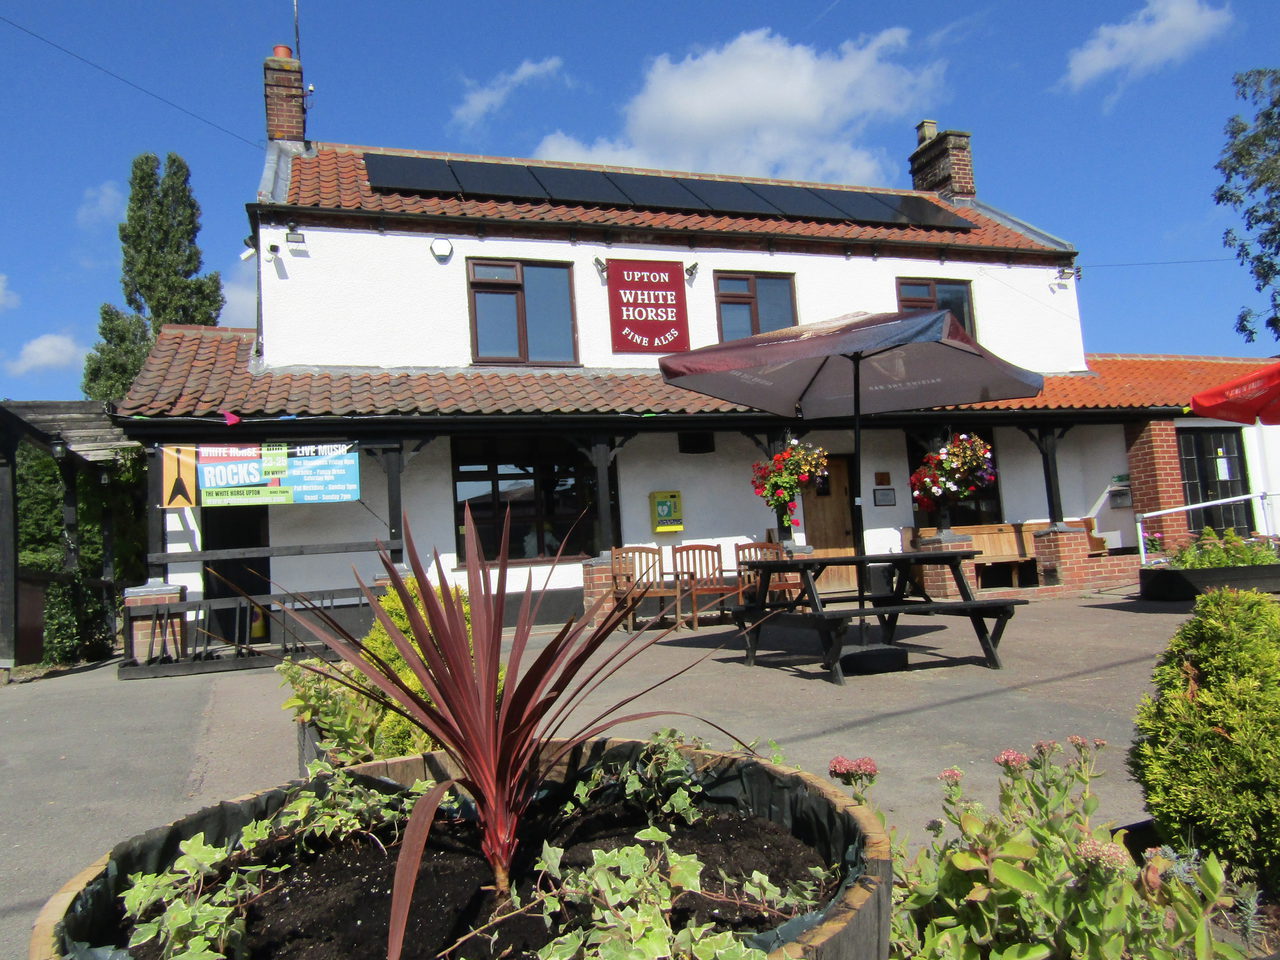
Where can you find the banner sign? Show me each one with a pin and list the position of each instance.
(646, 306)
(256, 473)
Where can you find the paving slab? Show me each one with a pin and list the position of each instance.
(87, 760)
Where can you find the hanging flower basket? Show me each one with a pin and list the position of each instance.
(779, 479)
(956, 471)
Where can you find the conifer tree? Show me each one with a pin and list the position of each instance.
(160, 276)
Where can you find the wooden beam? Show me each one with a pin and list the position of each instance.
(248, 553)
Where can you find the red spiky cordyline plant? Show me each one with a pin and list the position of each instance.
(497, 732)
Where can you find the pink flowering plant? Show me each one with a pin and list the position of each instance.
(955, 471)
(777, 481)
(1039, 878)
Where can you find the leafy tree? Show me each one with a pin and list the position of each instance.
(1250, 167)
(160, 278)
(110, 367)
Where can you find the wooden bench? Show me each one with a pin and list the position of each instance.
(1008, 549)
(832, 625)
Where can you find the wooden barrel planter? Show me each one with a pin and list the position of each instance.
(1169, 583)
(853, 926)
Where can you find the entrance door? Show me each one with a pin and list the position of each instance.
(829, 523)
(1213, 468)
(234, 528)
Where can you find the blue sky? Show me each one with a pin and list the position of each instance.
(1099, 122)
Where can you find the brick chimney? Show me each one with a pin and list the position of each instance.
(942, 161)
(286, 104)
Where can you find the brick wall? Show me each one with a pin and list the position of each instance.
(1155, 476)
(597, 582)
(286, 108)
(938, 581)
(148, 633)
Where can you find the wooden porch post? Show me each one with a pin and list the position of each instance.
(155, 511)
(109, 592)
(1046, 440)
(393, 466)
(8, 553)
(601, 454)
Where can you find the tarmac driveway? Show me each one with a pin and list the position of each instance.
(87, 760)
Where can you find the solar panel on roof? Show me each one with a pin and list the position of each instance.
(579, 186)
(728, 196)
(925, 213)
(797, 201)
(419, 174)
(860, 206)
(497, 180)
(648, 190)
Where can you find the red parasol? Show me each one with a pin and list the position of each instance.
(1252, 398)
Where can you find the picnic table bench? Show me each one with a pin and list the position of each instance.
(831, 619)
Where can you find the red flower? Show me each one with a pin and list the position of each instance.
(791, 505)
(803, 478)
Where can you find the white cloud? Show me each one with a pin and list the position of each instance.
(761, 105)
(240, 287)
(101, 204)
(49, 351)
(1161, 33)
(8, 299)
(481, 101)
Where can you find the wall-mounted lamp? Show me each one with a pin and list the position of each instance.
(1069, 273)
(602, 268)
(295, 238)
(442, 248)
(691, 270)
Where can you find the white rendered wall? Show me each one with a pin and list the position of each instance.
(365, 299)
(1088, 457)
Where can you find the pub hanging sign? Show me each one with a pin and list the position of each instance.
(647, 307)
(225, 475)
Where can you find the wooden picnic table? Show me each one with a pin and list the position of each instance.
(831, 616)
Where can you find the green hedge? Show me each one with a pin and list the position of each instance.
(1207, 753)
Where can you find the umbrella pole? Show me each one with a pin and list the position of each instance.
(855, 482)
(855, 495)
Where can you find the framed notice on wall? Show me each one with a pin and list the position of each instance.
(256, 473)
(647, 311)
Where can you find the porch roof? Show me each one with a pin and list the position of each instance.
(200, 372)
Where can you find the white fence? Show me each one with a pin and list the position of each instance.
(1265, 519)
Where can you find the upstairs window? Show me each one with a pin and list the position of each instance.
(751, 303)
(521, 312)
(923, 294)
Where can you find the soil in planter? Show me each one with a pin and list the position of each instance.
(335, 905)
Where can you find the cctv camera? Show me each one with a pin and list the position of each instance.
(248, 254)
(273, 248)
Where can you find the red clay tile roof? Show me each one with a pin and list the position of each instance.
(200, 371)
(1121, 380)
(334, 178)
(197, 371)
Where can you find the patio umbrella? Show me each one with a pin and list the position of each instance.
(854, 364)
(1252, 398)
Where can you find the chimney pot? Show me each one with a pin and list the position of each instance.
(926, 130)
(282, 52)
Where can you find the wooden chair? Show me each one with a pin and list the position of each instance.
(637, 572)
(787, 584)
(700, 569)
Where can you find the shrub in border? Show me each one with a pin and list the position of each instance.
(1207, 754)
